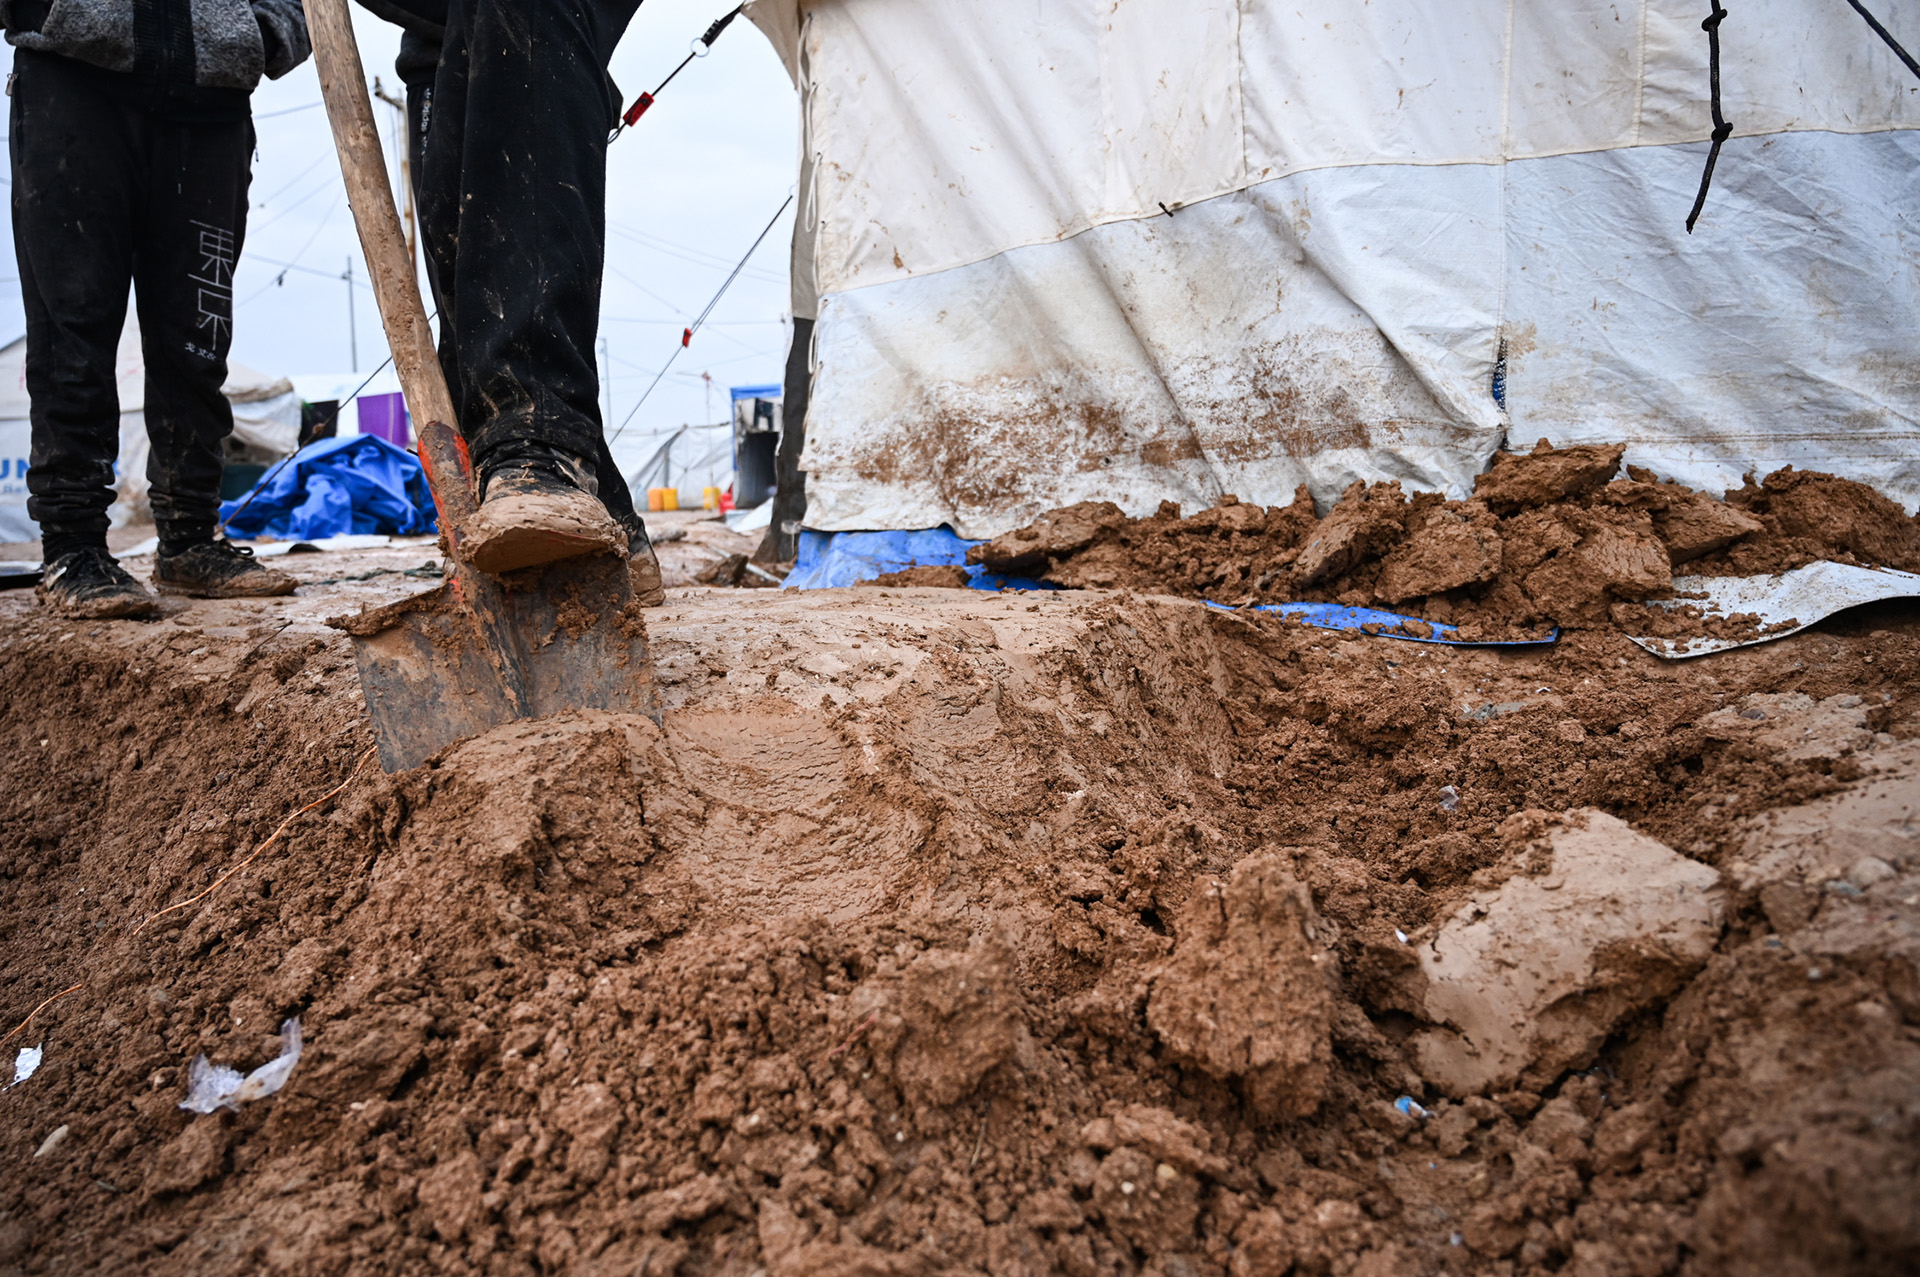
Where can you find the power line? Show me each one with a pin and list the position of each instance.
(670, 249)
(686, 338)
(268, 115)
(322, 158)
(681, 323)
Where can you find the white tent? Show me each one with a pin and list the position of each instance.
(266, 419)
(1073, 249)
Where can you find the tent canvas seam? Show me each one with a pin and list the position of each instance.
(1488, 161)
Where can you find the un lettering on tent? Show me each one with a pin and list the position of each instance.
(266, 425)
(1063, 250)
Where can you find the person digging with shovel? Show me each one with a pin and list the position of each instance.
(131, 141)
(509, 107)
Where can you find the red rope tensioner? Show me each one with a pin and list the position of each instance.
(700, 50)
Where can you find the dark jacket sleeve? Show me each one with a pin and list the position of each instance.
(426, 18)
(283, 32)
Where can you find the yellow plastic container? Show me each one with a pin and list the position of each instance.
(655, 499)
(669, 498)
(709, 498)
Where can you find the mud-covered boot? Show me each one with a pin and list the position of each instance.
(219, 570)
(90, 584)
(643, 565)
(534, 513)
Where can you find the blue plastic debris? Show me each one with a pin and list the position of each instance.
(1407, 1105)
(829, 560)
(333, 487)
(1394, 625)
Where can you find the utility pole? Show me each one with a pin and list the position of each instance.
(353, 337)
(403, 147)
(708, 378)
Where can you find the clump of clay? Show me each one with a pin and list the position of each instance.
(1246, 993)
(1549, 538)
(1615, 556)
(1364, 522)
(1054, 535)
(1690, 523)
(1148, 1185)
(1820, 516)
(1547, 475)
(925, 576)
(1448, 550)
(952, 1018)
(1530, 977)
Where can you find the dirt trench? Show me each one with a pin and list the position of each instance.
(940, 932)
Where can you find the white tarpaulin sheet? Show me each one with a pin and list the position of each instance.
(1147, 249)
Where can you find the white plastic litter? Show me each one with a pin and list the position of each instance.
(25, 1065)
(1793, 599)
(54, 1140)
(1449, 798)
(214, 1086)
(758, 519)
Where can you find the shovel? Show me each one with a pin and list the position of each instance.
(480, 650)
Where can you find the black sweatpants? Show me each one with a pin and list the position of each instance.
(106, 196)
(512, 193)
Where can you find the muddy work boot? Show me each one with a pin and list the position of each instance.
(219, 570)
(91, 585)
(643, 565)
(533, 513)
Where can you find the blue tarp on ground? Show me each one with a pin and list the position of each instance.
(830, 559)
(332, 487)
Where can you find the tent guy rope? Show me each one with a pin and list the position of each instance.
(686, 335)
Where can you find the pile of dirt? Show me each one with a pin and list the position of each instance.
(945, 933)
(1550, 537)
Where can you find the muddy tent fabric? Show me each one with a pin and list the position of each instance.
(1064, 250)
(335, 487)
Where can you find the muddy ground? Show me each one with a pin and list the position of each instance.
(1548, 538)
(944, 932)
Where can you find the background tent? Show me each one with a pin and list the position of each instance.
(266, 426)
(1068, 249)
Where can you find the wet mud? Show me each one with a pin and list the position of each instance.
(940, 932)
(1550, 537)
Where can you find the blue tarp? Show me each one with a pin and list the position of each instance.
(831, 559)
(332, 487)
(1394, 625)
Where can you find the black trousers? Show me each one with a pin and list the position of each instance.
(511, 187)
(106, 196)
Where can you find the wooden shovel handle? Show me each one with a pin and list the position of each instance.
(343, 85)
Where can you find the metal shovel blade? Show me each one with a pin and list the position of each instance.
(437, 669)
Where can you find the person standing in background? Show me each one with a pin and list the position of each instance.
(131, 147)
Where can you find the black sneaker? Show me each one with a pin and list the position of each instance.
(90, 584)
(535, 514)
(219, 570)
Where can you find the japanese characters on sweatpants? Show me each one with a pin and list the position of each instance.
(509, 120)
(114, 185)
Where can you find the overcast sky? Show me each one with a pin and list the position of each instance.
(688, 189)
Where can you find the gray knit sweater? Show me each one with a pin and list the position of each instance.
(234, 41)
